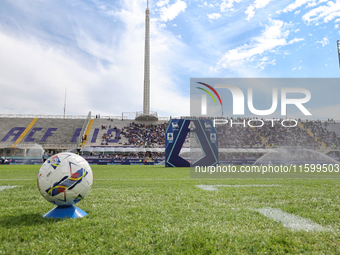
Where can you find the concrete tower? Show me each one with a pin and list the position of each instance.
(146, 101)
(147, 115)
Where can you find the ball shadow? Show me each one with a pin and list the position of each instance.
(27, 219)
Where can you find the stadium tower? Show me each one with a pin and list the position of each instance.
(146, 115)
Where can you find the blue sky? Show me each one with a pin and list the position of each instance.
(95, 49)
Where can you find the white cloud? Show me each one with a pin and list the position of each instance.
(324, 41)
(100, 76)
(311, 4)
(162, 3)
(336, 26)
(39, 77)
(97, 51)
(204, 4)
(262, 63)
(297, 68)
(299, 3)
(261, 3)
(214, 16)
(325, 13)
(295, 40)
(227, 5)
(293, 6)
(332, 16)
(258, 4)
(170, 12)
(272, 37)
(250, 12)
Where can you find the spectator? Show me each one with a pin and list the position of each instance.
(44, 156)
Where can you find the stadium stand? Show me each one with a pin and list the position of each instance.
(50, 133)
(56, 133)
(103, 128)
(279, 136)
(322, 134)
(238, 136)
(332, 127)
(10, 130)
(152, 136)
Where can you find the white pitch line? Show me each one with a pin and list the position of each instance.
(7, 187)
(293, 222)
(207, 187)
(214, 187)
(118, 179)
(17, 179)
(144, 180)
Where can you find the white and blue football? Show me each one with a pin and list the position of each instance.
(65, 179)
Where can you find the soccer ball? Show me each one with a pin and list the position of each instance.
(65, 179)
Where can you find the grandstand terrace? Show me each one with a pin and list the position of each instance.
(106, 132)
(121, 136)
(19, 134)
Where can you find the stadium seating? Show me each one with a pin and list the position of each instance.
(8, 124)
(152, 136)
(61, 133)
(95, 137)
(48, 132)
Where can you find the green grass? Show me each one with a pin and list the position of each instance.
(158, 210)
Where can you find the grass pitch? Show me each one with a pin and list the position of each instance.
(158, 210)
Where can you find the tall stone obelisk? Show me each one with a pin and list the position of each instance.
(146, 101)
(147, 115)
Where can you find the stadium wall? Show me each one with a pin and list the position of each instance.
(38, 161)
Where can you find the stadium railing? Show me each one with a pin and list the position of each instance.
(125, 116)
(45, 146)
(83, 130)
(43, 116)
(151, 113)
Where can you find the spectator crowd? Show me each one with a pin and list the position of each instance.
(151, 136)
(272, 134)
